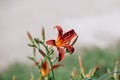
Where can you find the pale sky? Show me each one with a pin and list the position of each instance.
(97, 22)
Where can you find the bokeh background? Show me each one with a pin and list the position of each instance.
(97, 23)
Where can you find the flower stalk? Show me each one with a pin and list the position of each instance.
(46, 65)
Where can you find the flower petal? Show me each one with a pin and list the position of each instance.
(69, 35)
(60, 31)
(56, 66)
(44, 65)
(61, 53)
(70, 48)
(51, 42)
(44, 69)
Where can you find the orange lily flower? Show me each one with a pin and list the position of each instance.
(45, 68)
(62, 41)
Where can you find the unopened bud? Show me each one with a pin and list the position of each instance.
(115, 69)
(42, 53)
(81, 65)
(74, 73)
(29, 36)
(43, 33)
(74, 41)
(14, 77)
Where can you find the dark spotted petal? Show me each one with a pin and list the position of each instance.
(60, 31)
(51, 42)
(69, 35)
(61, 53)
(70, 48)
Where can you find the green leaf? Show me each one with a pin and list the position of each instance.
(32, 45)
(38, 41)
(51, 52)
(31, 58)
(34, 52)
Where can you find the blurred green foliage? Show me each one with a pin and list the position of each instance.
(91, 57)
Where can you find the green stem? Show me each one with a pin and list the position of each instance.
(104, 76)
(52, 69)
(46, 48)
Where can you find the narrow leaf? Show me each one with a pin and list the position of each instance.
(32, 45)
(34, 52)
(38, 41)
(31, 58)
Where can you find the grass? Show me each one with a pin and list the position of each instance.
(91, 58)
(20, 70)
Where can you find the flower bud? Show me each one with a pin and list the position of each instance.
(29, 36)
(43, 34)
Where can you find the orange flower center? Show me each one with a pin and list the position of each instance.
(59, 42)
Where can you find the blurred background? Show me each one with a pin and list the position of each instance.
(97, 22)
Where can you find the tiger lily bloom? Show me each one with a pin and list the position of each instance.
(45, 69)
(62, 41)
